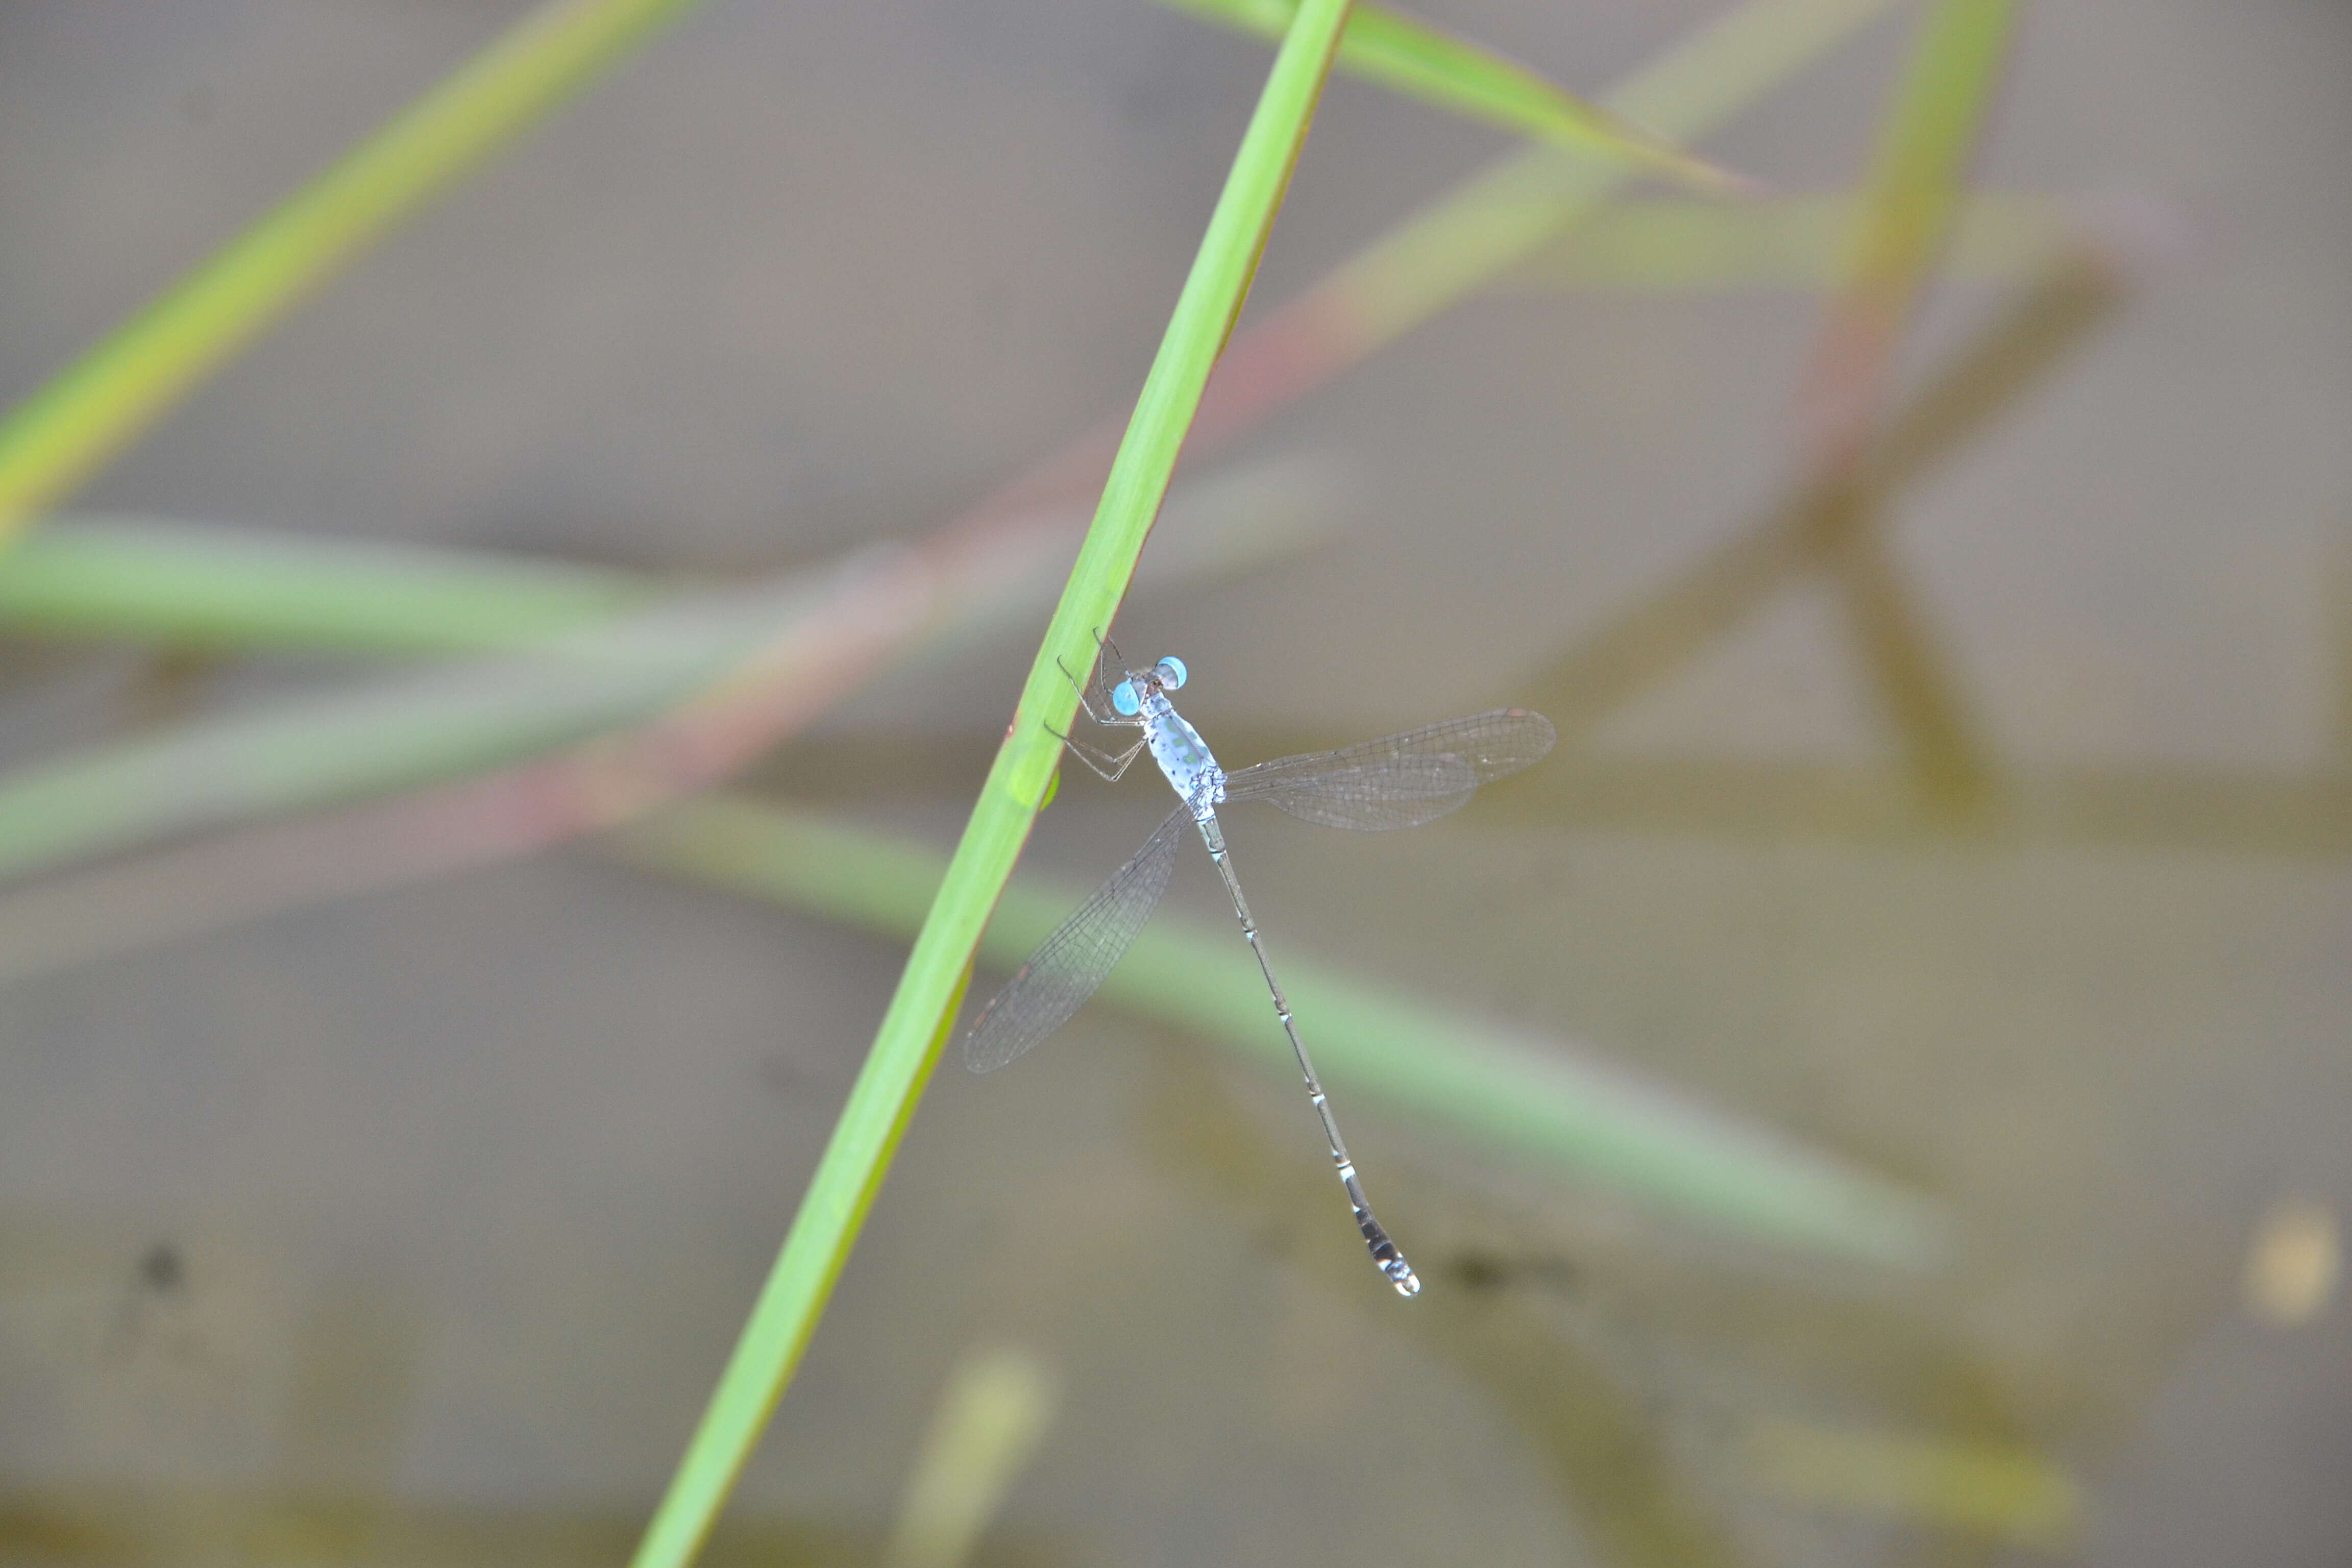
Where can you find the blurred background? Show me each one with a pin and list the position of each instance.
(410, 1066)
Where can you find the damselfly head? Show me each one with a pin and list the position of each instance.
(1129, 695)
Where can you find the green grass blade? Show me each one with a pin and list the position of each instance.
(405, 731)
(1786, 242)
(1457, 245)
(728, 718)
(914, 1027)
(1420, 61)
(56, 439)
(1914, 187)
(1497, 1091)
(219, 587)
(212, 587)
(994, 1412)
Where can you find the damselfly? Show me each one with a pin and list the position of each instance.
(1398, 781)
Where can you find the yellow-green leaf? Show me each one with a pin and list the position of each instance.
(57, 438)
(1420, 61)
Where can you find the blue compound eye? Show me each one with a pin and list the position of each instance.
(1123, 698)
(1171, 672)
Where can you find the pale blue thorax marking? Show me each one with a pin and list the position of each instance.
(1184, 758)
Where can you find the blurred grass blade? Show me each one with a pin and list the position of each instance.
(1601, 671)
(214, 587)
(1457, 245)
(914, 1028)
(57, 438)
(1493, 1089)
(704, 654)
(1914, 188)
(1412, 57)
(1460, 243)
(2001, 1491)
(780, 684)
(724, 689)
(1786, 242)
(395, 732)
(996, 1408)
(1432, 262)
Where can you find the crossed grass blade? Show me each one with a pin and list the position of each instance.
(1439, 258)
(1414, 58)
(1916, 185)
(674, 695)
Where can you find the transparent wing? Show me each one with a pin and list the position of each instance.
(1401, 780)
(1068, 965)
(1403, 792)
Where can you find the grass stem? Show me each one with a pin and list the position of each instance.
(915, 1027)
